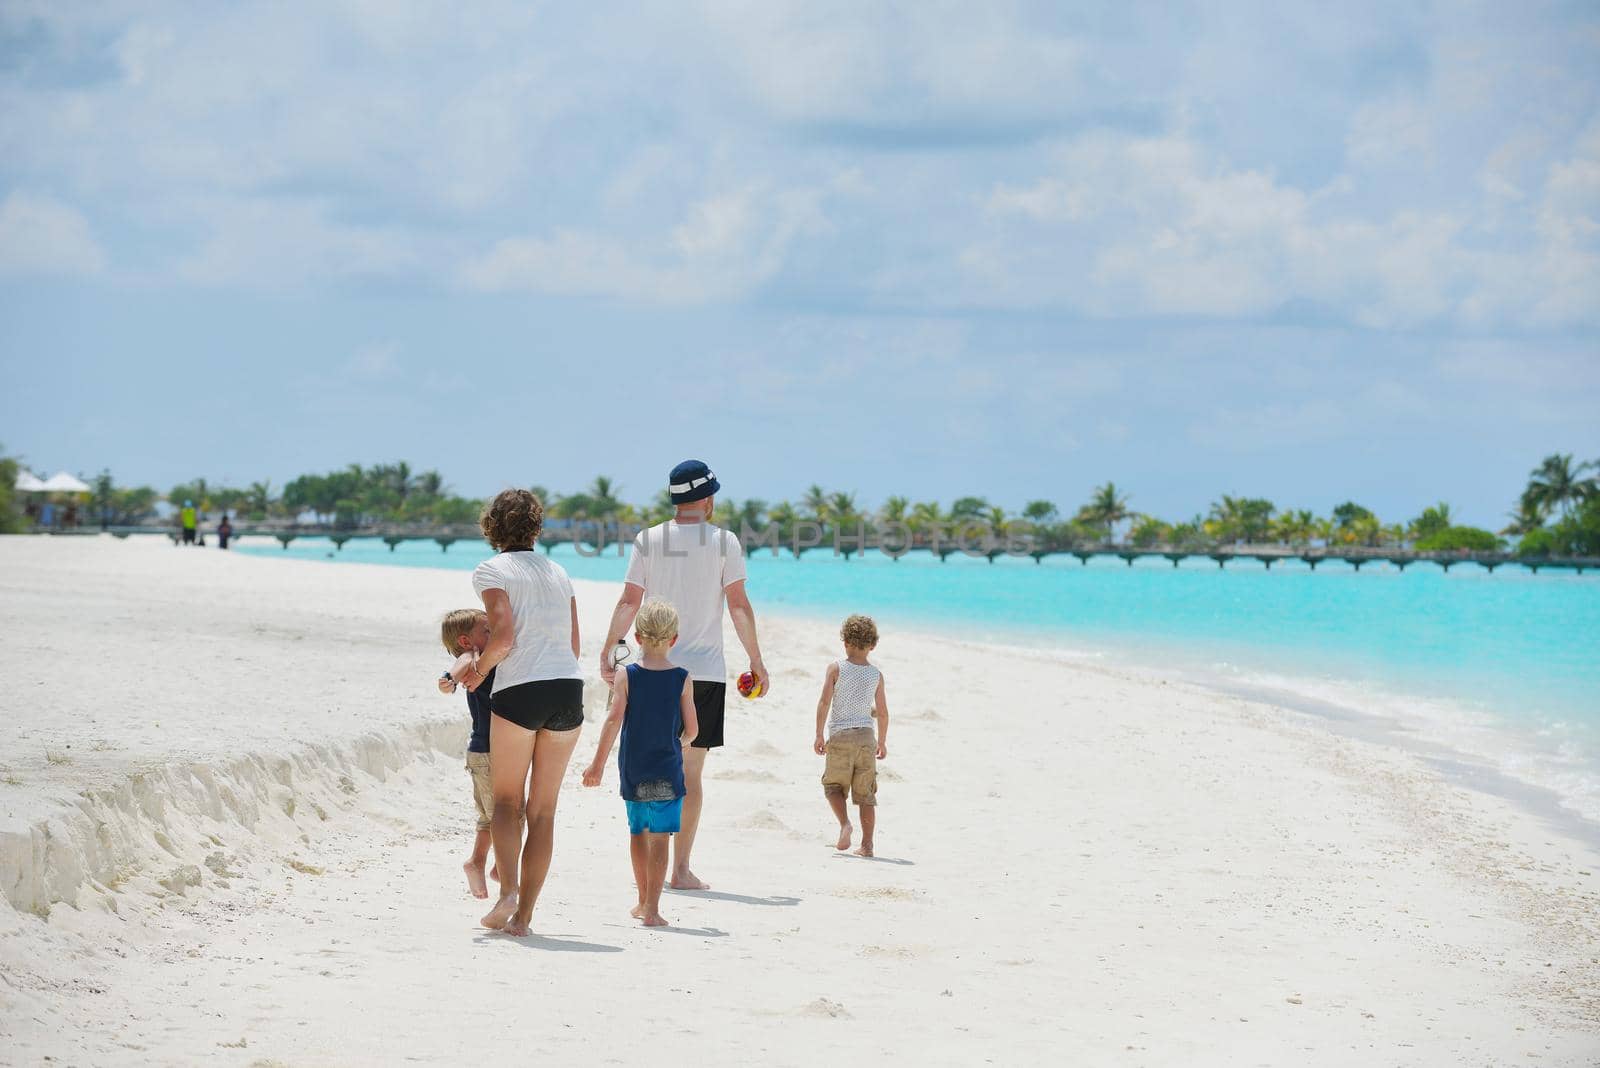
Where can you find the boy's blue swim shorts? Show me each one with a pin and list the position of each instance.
(660, 817)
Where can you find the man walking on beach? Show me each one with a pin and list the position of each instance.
(696, 567)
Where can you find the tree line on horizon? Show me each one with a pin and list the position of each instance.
(1557, 514)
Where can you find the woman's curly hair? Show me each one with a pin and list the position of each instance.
(513, 520)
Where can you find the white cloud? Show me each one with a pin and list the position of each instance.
(376, 361)
(726, 245)
(291, 244)
(1141, 226)
(42, 235)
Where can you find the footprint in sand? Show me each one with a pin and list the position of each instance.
(824, 1007)
(763, 820)
(890, 775)
(762, 749)
(747, 775)
(894, 952)
(879, 893)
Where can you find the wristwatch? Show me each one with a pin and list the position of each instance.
(447, 677)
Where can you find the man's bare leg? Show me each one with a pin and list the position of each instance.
(869, 820)
(656, 869)
(474, 865)
(694, 763)
(551, 754)
(508, 772)
(842, 814)
(639, 853)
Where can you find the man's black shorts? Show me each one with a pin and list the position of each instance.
(709, 698)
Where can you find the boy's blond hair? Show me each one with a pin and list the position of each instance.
(458, 625)
(860, 632)
(656, 623)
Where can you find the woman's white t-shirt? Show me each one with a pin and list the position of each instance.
(541, 603)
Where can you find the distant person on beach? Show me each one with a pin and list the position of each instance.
(696, 567)
(188, 521)
(536, 697)
(852, 699)
(465, 633)
(224, 531)
(652, 704)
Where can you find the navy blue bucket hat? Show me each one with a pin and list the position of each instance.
(691, 481)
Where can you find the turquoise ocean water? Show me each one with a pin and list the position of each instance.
(1502, 668)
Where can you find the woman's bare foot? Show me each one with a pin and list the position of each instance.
(655, 919)
(475, 883)
(496, 917)
(516, 927)
(845, 830)
(687, 881)
(637, 912)
(865, 850)
(494, 872)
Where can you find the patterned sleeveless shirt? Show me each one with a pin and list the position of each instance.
(854, 697)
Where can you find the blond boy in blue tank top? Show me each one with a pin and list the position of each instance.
(852, 701)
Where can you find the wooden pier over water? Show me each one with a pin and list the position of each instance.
(590, 540)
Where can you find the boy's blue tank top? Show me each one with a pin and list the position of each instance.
(650, 749)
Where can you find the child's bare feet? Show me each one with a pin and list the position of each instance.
(687, 880)
(496, 917)
(475, 883)
(845, 830)
(865, 850)
(655, 919)
(516, 927)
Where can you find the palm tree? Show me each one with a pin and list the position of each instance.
(784, 517)
(258, 498)
(926, 516)
(1296, 528)
(753, 513)
(1246, 519)
(969, 508)
(894, 510)
(1528, 517)
(429, 484)
(1147, 530)
(815, 503)
(1039, 513)
(1106, 508)
(602, 494)
(998, 521)
(842, 508)
(1432, 521)
(1557, 484)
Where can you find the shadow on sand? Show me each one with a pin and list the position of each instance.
(545, 942)
(875, 860)
(743, 899)
(698, 932)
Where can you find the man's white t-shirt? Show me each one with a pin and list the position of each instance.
(541, 603)
(689, 565)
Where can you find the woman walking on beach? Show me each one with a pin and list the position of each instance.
(537, 702)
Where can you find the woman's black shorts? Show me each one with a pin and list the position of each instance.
(541, 705)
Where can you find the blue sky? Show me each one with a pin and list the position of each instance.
(935, 249)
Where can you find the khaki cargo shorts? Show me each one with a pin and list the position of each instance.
(482, 791)
(852, 765)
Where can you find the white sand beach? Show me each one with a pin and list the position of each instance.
(233, 815)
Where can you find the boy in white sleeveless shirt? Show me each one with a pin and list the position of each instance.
(852, 698)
